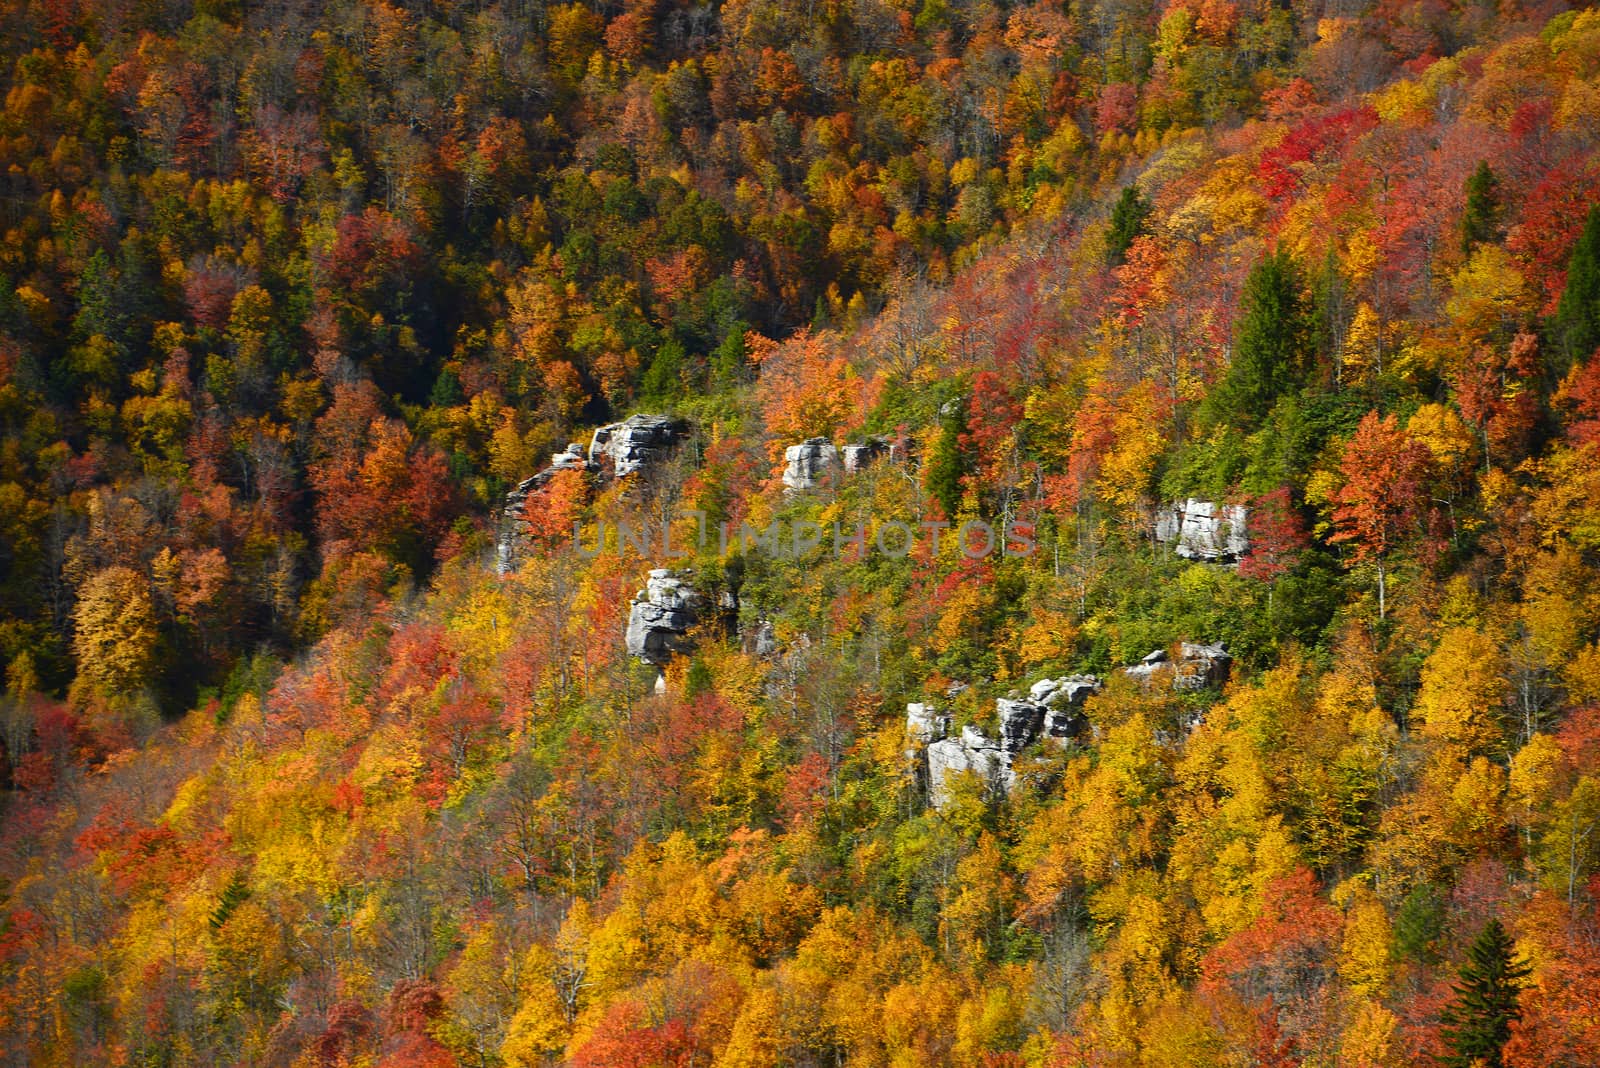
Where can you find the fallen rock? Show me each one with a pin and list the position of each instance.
(634, 443)
(808, 464)
(1205, 530)
(660, 617)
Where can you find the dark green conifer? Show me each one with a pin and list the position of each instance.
(1127, 223)
(1576, 326)
(1480, 223)
(1477, 1022)
(1270, 356)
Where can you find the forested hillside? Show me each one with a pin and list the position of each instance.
(1266, 337)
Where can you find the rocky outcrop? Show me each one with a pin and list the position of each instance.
(808, 464)
(761, 639)
(569, 460)
(1051, 711)
(661, 615)
(973, 751)
(813, 462)
(1198, 666)
(1063, 700)
(634, 443)
(859, 454)
(508, 542)
(624, 447)
(1205, 530)
(925, 724)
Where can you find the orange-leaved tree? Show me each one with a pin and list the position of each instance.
(1380, 506)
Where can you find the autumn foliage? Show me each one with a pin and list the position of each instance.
(292, 296)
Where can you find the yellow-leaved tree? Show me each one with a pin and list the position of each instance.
(116, 631)
(1462, 690)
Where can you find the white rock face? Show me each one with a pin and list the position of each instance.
(1205, 530)
(661, 616)
(808, 464)
(974, 752)
(1070, 690)
(1063, 700)
(569, 460)
(634, 443)
(925, 724)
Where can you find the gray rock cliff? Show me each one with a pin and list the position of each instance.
(634, 443)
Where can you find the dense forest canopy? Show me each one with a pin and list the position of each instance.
(1275, 327)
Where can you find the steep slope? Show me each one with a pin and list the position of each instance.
(1354, 323)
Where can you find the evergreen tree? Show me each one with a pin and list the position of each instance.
(99, 310)
(1576, 327)
(728, 361)
(1269, 359)
(1127, 223)
(663, 382)
(1477, 1022)
(446, 392)
(1480, 223)
(234, 894)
